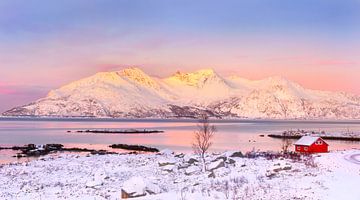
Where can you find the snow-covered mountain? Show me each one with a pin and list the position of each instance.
(131, 93)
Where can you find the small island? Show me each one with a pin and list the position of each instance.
(346, 136)
(119, 131)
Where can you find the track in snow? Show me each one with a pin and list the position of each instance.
(353, 158)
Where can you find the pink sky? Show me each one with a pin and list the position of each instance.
(32, 70)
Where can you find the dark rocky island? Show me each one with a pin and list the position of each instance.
(125, 131)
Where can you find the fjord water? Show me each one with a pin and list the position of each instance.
(241, 135)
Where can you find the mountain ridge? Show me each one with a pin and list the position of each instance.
(131, 93)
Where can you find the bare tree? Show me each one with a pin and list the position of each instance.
(286, 143)
(203, 138)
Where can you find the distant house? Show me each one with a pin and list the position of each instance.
(309, 144)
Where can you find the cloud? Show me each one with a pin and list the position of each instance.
(12, 89)
(336, 62)
(12, 95)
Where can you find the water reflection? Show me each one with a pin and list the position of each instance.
(177, 136)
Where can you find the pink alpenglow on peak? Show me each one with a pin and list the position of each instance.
(131, 93)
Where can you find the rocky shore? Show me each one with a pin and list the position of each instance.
(169, 175)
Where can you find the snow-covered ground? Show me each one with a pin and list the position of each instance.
(334, 175)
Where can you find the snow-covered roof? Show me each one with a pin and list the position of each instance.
(306, 140)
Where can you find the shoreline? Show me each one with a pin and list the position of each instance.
(184, 120)
(337, 138)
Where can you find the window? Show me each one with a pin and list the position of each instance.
(298, 148)
(305, 148)
(319, 142)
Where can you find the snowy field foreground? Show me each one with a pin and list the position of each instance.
(334, 175)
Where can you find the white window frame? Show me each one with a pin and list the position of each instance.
(306, 148)
(298, 148)
(319, 142)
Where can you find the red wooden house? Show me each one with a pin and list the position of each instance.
(309, 144)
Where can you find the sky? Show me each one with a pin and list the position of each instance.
(47, 43)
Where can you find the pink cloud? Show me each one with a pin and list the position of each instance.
(6, 89)
(335, 62)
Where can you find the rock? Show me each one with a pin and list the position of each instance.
(191, 159)
(134, 187)
(216, 164)
(230, 161)
(94, 183)
(98, 179)
(166, 162)
(151, 188)
(270, 174)
(275, 168)
(221, 172)
(237, 154)
(211, 175)
(99, 152)
(183, 165)
(283, 165)
(223, 158)
(181, 155)
(191, 170)
(228, 153)
(168, 168)
(287, 166)
(166, 152)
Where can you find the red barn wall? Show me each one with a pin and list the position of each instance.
(314, 148)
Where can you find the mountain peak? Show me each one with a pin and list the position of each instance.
(197, 78)
(132, 93)
(205, 72)
(132, 71)
(138, 76)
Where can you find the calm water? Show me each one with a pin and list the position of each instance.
(178, 135)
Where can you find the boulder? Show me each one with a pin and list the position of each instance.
(166, 162)
(270, 174)
(283, 165)
(151, 188)
(228, 153)
(168, 168)
(166, 152)
(223, 158)
(97, 180)
(230, 161)
(275, 168)
(286, 166)
(216, 164)
(237, 154)
(134, 187)
(94, 183)
(180, 155)
(191, 170)
(221, 172)
(211, 175)
(183, 165)
(191, 159)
